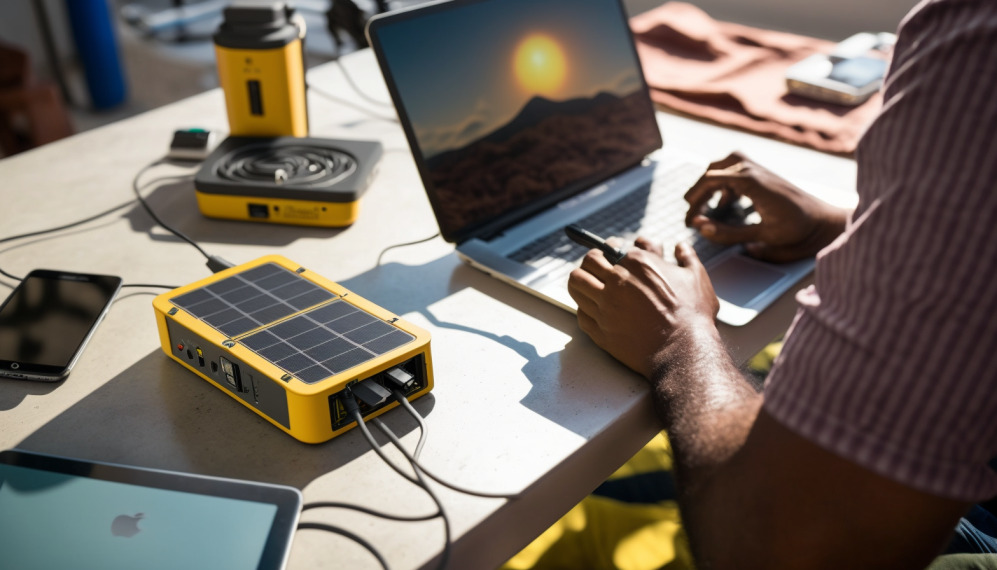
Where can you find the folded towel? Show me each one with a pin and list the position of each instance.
(735, 75)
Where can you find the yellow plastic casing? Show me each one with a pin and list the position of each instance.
(280, 77)
(309, 406)
(279, 210)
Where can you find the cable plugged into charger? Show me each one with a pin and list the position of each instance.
(217, 263)
(371, 393)
(400, 377)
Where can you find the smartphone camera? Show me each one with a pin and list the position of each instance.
(849, 75)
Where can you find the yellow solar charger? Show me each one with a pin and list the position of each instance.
(290, 344)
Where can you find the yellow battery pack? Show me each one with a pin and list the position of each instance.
(290, 345)
(259, 50)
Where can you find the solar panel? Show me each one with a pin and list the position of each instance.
(303, 329)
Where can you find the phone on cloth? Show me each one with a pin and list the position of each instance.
(849, 75)
(48, 320)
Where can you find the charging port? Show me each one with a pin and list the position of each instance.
(259, 211)
(231, 372)
(255, 97)
(400, 378)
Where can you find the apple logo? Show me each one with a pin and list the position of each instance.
(125, 525)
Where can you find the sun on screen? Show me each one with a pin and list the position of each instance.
(539, 65)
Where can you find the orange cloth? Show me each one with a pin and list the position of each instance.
(735, 75)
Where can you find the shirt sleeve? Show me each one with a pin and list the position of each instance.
(890, 362)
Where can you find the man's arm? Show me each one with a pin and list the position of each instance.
(752, 494)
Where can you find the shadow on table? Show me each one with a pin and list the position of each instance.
(158, 414)
(13, 392)
(406, 289)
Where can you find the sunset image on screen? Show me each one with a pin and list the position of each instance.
(515, 102)
(539, 65)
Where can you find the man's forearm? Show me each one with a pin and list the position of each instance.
(708, 408)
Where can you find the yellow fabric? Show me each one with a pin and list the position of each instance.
(762, 362)
(655, 456)
(601, 533)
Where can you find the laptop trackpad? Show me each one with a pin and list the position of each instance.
(739, 279)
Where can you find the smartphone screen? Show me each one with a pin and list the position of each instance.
(48, 319)
(858, 71)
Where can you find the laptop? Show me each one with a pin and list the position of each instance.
(57, 512)
(525, 116)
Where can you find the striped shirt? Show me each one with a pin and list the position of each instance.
(891, 361)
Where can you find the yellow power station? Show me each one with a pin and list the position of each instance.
(290, 345)
(287, 180)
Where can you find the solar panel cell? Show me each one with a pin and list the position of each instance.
(329, 349)
(277, 352)
(347, 360)
(331, 312)
(390, 341)
(310, 299)
(369, 332)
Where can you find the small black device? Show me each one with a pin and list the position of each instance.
(48, 319)
(192, 144)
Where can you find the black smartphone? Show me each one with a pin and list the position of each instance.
(48, 319)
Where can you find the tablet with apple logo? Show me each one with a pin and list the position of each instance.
(58, 512)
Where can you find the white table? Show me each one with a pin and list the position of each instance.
(524, 402)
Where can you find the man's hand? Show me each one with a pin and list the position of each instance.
(644, 308)
(794, 224)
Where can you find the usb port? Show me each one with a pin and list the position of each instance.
(255, 97)
(259, 211)
(231, 372)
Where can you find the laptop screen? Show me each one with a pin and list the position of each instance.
(512, 105)
(117, 517)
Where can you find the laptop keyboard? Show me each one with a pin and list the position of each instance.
(656, 211)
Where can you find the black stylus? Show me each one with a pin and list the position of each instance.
(584, 237)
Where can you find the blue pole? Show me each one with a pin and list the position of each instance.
(94, 37)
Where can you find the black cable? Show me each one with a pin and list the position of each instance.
(360, 92)
(59, 228)
(153, 215)
(215, 263)
(343, 532)
(348, 103)
(149, 285)
(353, 409)
(357, 417)
(413, 458)
(397, 245)
(69, 225)
(371, 512)
(9, 276)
